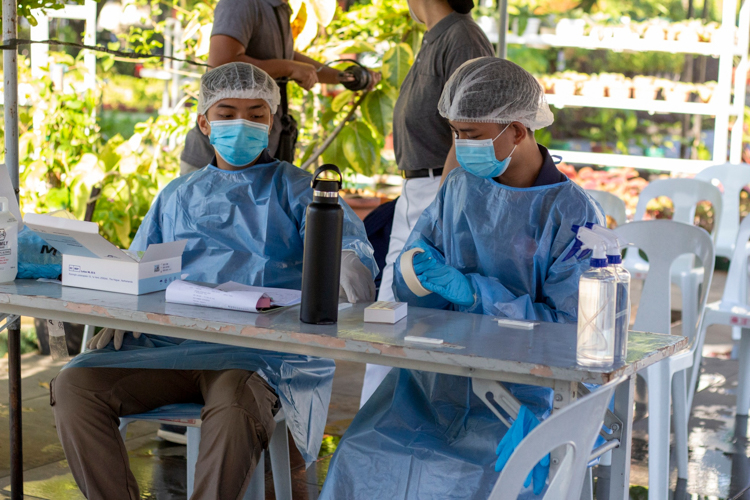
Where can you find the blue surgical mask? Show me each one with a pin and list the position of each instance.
(238, 142)
(478, 157)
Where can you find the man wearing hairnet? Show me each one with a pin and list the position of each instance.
(493, 243)
(243, 218)
(259, 32)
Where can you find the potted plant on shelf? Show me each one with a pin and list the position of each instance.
(706, 91)
(678, 92)
(619, 87)
(645, 88)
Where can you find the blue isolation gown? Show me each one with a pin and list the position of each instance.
(246, 226)
(425, 435)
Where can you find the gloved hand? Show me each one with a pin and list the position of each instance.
(444, 280)
(357, 284)
(101, 339)
(523, 425)
(426, 260)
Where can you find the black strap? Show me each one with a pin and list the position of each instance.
(282, 81)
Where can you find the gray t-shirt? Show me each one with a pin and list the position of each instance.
(255, 24)
(421, 137)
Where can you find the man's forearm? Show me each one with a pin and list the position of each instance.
(325, 74)
(276, 68)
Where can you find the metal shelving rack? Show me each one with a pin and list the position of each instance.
(728, 99)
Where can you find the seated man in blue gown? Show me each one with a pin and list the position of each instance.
(494, 243)
(243, 218)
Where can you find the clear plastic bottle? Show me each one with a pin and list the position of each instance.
(8, 243)
(622, 310)
(596, 306)
(622, 278)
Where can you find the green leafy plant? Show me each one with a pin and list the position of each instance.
(608, 127)
(65, 163)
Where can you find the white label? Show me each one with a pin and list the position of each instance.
(55, 328)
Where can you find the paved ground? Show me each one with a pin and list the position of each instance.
(719, 456)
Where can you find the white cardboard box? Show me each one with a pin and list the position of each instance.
(90, 261)
(386, 312)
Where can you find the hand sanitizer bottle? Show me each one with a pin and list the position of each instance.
(596, 306)
(622, 278)
(8, 243)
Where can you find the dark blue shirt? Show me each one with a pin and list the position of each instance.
(549, 173)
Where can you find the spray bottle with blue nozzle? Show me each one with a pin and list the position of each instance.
(597, 292)
(577, 243)
(622, 277)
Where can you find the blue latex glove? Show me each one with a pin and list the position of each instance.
(449, 283)
(523, 425)
(440, 278)
(425, 260)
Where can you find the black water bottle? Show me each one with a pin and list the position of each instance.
(321, 265)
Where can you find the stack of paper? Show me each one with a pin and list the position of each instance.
(231, 295)
(280, 297)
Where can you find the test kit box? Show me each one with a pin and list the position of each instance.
(90, 261)
(386, 312)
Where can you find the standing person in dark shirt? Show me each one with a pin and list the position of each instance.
(257, 32)
(422, 138)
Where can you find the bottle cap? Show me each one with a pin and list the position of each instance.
(613, 244)
(326, 190)
(577, 243)
(593, 241)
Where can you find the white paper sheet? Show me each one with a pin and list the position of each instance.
(183, 292)
(279, 296)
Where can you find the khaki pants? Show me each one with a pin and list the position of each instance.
(237, 416)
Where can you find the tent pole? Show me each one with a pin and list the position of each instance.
(10, 90)
(502, 29)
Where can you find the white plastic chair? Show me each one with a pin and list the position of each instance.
(278, 448)
(575, 427)
(732, 178)
(733, 310)
(685, 195)
(664, 242)
(611, 204)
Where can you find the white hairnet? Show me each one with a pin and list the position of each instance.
(237, 80)
(489, 89)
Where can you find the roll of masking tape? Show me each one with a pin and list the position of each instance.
(410, 277)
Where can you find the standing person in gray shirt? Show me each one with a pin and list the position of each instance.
(422, 139)
(257, 32)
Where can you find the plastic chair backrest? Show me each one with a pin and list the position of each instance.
(735, 289)
(575, 427)
(685, 195)
(664, 241)
(611, 204)
(732, 178)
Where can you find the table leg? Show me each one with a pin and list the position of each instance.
(565, 393)
(620, 472)
(743, 384)
(14, 373)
